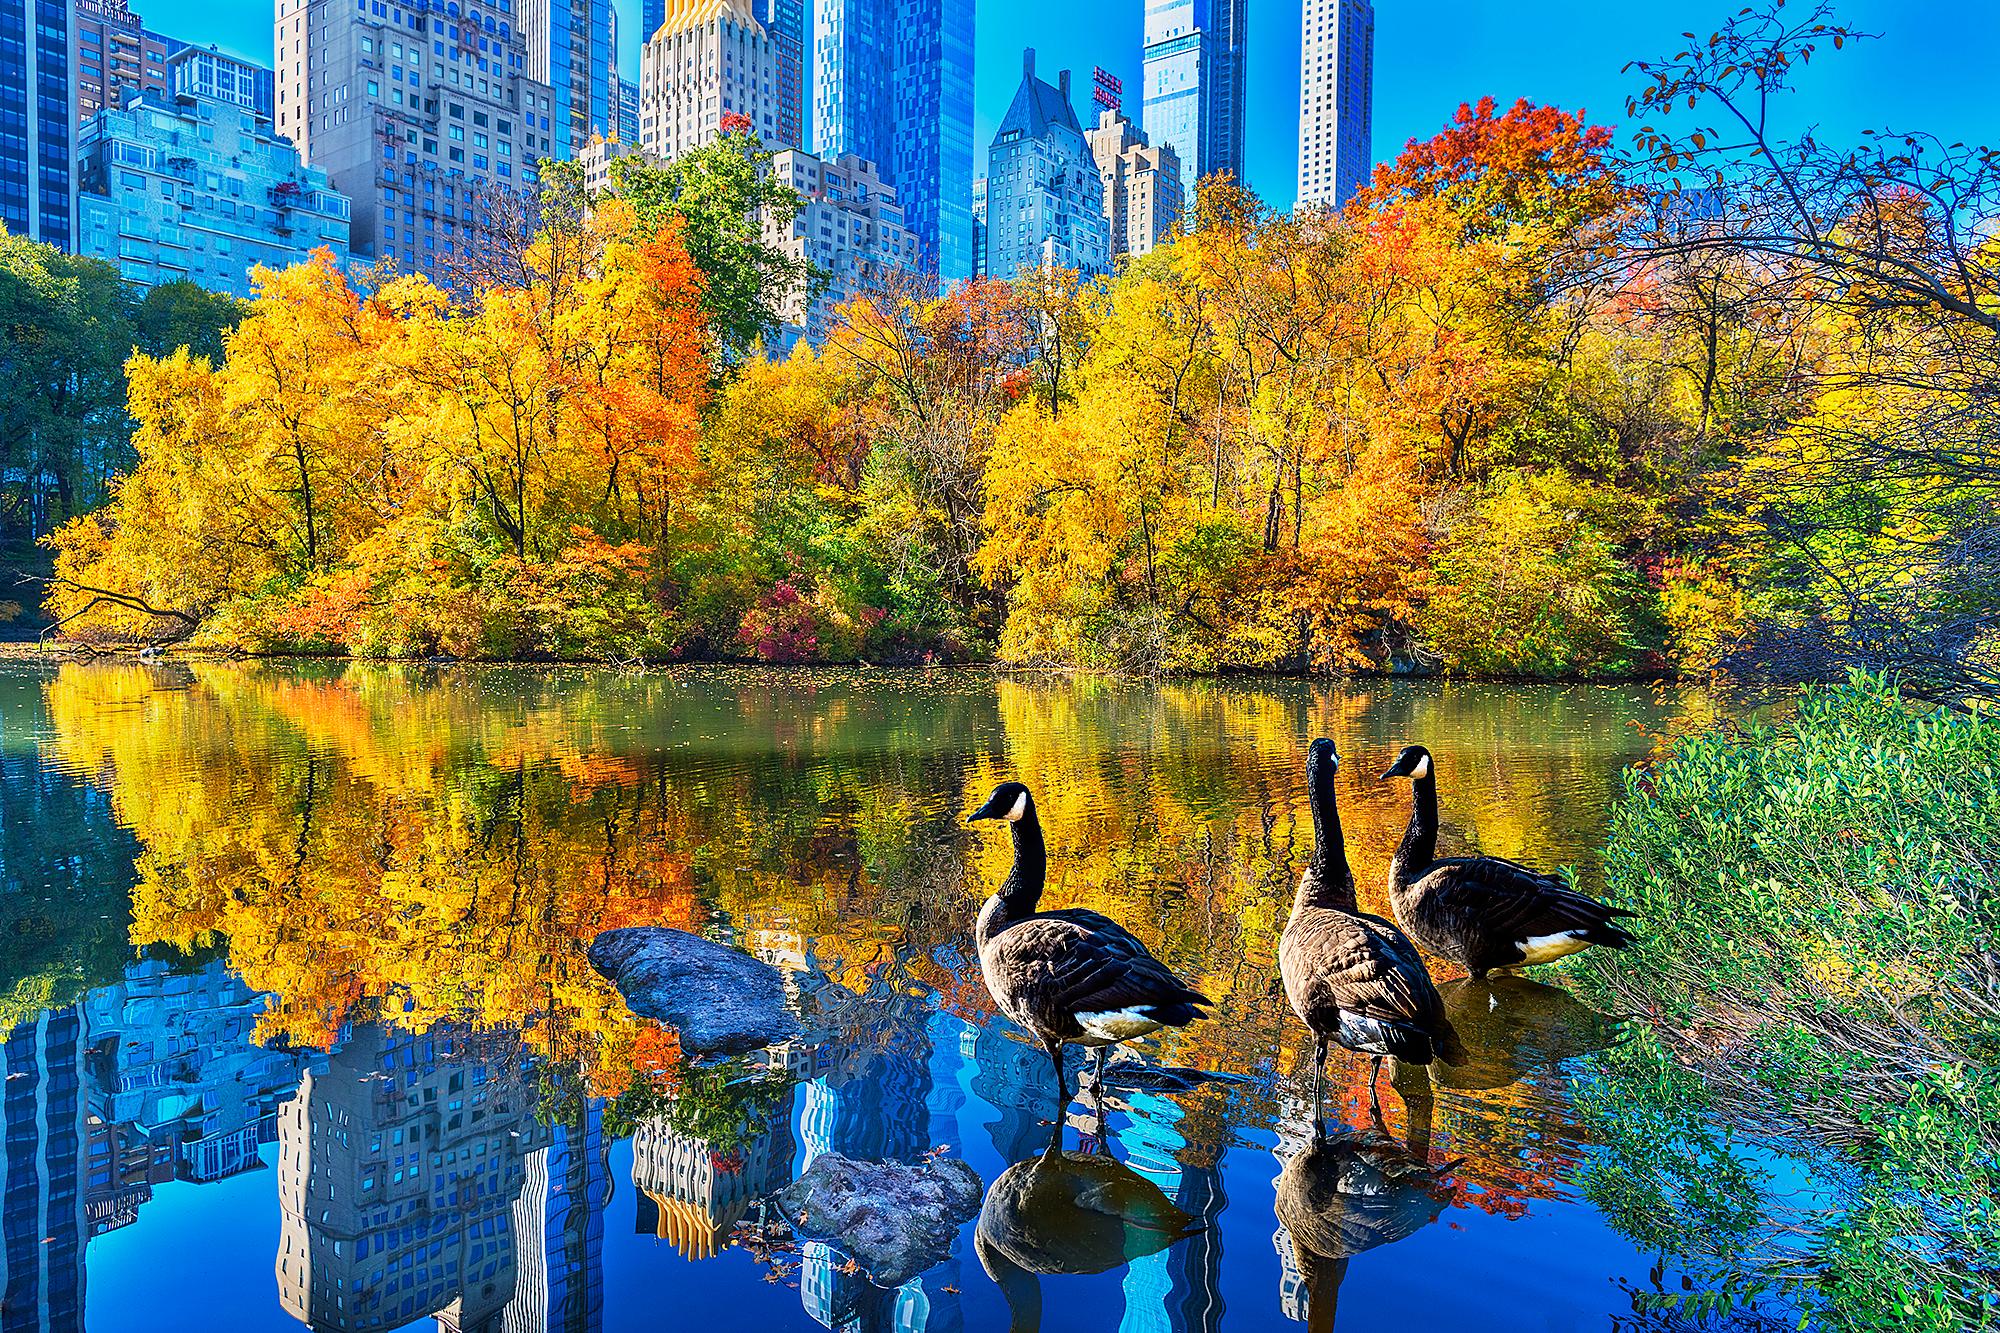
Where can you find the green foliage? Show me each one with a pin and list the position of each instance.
(66, 327)
(1820, 904)
(720, 193)
(1534, 582)
(183, 314)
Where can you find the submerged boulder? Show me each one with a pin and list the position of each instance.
(719, 1000)
(895, 1219)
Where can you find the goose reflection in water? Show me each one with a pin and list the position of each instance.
(1069, 1212)
(1512, 1026)
(1356, 1190)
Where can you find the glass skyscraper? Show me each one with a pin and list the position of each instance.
(892, 83)
(1192, 89)
(37, 188)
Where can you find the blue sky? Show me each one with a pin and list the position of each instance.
(1934, 69)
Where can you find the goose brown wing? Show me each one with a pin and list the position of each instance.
(1366, 966)
(1080, 962)
(1506, 900)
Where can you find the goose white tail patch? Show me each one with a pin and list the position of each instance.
(1020, 808)
(1117, 1024)
(1548, 948)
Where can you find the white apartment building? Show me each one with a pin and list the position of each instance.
(849, 225)
(710, 61)
(1336, 84)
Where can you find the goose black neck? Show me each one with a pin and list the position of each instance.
(1329, 877)
(1023, 889)
(1420, 839)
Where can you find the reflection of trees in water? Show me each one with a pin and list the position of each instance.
(66, 867)
(423, 846)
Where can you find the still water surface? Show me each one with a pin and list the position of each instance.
(300, 1028)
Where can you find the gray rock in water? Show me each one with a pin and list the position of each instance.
(719, 1000)
(895, 1218)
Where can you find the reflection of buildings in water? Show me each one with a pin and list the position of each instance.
(1180, 1287)
(398, 1172)
(178, 1087)
(894, 1069)
(559, 1232)
(691, 1192)
(42, 1226)
(1293, 1298)
(1014, 1078)
(1292, 1119)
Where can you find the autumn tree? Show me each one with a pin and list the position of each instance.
(722, 194)
(1867, 504)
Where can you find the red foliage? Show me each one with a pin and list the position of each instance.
(1530, 163)
(781, 627)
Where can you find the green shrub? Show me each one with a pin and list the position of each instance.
(1821, 896)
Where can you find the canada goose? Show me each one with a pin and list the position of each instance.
(1353, 1192)
(1352, 978)
(1069, 1213)
(1480, 911)
(1070, 975)
(1512, 1026)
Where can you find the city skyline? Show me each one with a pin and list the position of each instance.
(1573, 58)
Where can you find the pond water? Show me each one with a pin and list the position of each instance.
(300, 1029)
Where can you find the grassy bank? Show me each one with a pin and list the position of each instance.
(1821, 899)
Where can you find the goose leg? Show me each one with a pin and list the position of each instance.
(1097, 1077)
(1062, 1084)
(1319, 1087)
(1375, 1093)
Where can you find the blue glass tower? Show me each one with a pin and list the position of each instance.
(1193, 85)
(892, 82)
(37, 187)
(576, 61)
(42, 1228)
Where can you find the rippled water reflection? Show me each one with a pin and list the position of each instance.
(301, 1028)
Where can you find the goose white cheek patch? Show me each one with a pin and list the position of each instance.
(1020, 808)
(1423, 768)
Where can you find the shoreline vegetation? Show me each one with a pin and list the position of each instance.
(1535, 405)
(1851, 1004)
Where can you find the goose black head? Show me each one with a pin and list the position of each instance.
(1010, 801)
(1413, 762)
(1321, 760)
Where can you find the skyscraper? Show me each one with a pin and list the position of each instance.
(892, 83)
(570, 50)
(1336, 88)
(711, 60)
(785, 20)
(1192, 89)
(419, 117)
(1044, 194)
(628, 111)
(37, 181)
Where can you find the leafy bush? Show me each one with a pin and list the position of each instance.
(1821, 897)
(1532, 582)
